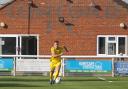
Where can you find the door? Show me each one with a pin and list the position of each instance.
(111, 48)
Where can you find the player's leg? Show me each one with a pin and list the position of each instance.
(52, 68)
(51, 74)
(57, 70)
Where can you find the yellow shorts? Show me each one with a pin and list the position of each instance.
(53, 65)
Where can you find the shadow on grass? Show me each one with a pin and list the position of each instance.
(46, 79)
(16, 85)
(23, 80)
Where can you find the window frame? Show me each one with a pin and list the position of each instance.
(20, 35)
(116, 41)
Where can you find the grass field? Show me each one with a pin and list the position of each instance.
(39, 82)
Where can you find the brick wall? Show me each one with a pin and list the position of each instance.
(80, 29)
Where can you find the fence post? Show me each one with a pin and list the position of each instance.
(14, 68)
(63, 74)
(113, 70)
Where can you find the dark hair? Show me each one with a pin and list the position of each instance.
(56, 41)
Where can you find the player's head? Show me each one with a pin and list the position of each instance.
(56, 44)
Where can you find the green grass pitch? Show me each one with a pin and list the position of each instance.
(40, 82)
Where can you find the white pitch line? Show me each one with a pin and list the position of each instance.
(104, 79)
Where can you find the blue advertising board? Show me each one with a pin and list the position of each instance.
(6, 64)
(121, 67)
(88, 65)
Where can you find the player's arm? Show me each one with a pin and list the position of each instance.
(60, 54)
(56, 55)
(53, 54)
(65, 48)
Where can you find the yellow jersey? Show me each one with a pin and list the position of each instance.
(57, 51)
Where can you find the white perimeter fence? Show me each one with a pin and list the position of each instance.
(92, 65)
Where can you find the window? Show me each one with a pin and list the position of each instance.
(111, 45)
(19, 45)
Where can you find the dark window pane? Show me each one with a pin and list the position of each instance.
(9, 46)
(121, 44)
(111, 38)
(101, 45)
(29, 45)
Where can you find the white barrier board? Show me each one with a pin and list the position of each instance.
(33, 65)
